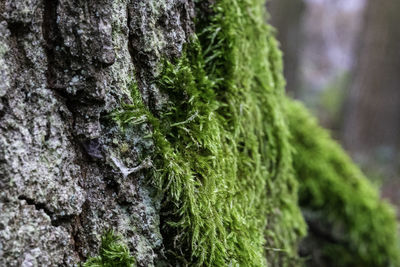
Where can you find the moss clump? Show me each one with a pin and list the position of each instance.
(223, 160)
(348, 224)
(112, 253)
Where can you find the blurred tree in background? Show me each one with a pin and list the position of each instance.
(371, 130)
(318, 38)
(287, 17)
(341, 58)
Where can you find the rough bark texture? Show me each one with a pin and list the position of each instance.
(65, 170)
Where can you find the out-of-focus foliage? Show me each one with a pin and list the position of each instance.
(332, 99)
(348, 224)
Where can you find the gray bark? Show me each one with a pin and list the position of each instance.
(64, 66)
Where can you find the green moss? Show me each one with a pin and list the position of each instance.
(338, 201)
(223, 157)
(112, 253)
(223, 161)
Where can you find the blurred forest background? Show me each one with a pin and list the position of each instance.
(342, 59)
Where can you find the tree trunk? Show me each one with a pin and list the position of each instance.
(115, 115)
(153, 133)
(372, 116)
(64, 65)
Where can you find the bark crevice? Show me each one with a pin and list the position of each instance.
(56, 220)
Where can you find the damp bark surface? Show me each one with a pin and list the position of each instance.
(67, 172)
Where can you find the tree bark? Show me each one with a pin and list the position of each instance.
(87, 108)
(65, 65)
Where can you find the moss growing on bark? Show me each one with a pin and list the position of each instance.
(348, 224)
(223, 161)
(112, 253)
(223, 157)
